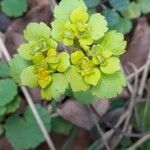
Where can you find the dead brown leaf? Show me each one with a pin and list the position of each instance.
(78, 113)
(35, 3)
(139, 46)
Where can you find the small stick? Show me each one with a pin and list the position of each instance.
(144, 76)
(130, 108)
(139, 142)
(99, 128)
(131, 76)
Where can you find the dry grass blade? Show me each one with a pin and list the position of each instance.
(139, 142)
(130, 108)
(92, 109)
(144, 76)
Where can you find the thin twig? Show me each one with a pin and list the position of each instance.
(132, 75)
(30, 102)
(130, 108)
(99, 128)
(139, 142)
(144, 76)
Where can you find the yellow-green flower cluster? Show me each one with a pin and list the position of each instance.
(41, 50)
(78, 28)
(93, 52)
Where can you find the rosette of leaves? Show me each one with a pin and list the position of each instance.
(39, 64)
(90, 64)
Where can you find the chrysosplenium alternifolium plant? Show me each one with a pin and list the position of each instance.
(90, 63)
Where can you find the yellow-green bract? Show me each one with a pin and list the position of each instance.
(91, 62)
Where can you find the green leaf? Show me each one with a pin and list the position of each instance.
(36, 31)
(57, 26)
(114, 42)
(92, 3)
(25, 51)
(120, 5)
(143, 111)
(144, 5)
(4, 70)
(109, 85)
(65, 8)
(2, 112)
(116, 103)
(13, 105)
(14, 8)
(91, 11)
(98, 24)
(17, 65)
(61, 125)
(1, 129)
(125, 142)
(56, 88)
(8, 90)
(75, 80)
(28, 77)
(113, 65)
(145, 145)
(133, 11)
(23, 132)
(123, 26)
(111, 16)
(84, 97)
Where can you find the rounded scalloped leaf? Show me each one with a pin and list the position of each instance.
(28, 77)
(57, 26)
(111, 16)
(144, 5)
(84, 97)
(56, 88)
(25, 51)
(17, 65)
(23, 132)
(114, 42)
(75, 79)
(65, 7)
(36, 31)
(60, 125)
(109, 85)
(4, 70)
(123, 26)
(14, 8)
(13, 105)
(92, 3)
(98, 25)
(120, 5)
(8, 90)
(113, 65)
(64, 62)
(133, 11)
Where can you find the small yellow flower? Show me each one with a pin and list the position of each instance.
(85, 67)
